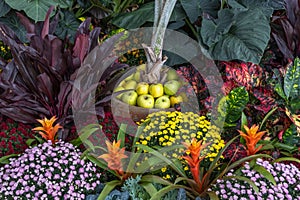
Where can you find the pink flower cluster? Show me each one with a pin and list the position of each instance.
(287, 178)
(48, 172)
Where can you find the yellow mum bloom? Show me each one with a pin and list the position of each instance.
(144, 142)
(164, 169)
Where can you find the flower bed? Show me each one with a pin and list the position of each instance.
(48, 172)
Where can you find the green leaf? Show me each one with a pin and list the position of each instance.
(282, 159)
(154, 179)
(149, 187)
(159, 156)
(64, 3)
(244, 41)
(30, 141)
(248, 158)
(279, 90)
(142, 15)
(291, 85)
(192, 9)
(13, 22)
(252, 4)
(267, 116)
(5, 159)
(244, 121)
(121, 134)
(263, 171)
(40, 140)
(84, 134)
(67, 25)
(290, 136)
(210, 7)
(286, 147)
(108, 188)
(211, 32)
(35, 9)
(4, 8)
(232, 106)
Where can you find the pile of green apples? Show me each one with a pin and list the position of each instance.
(153, 95)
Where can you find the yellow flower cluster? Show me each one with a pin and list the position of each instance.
(5, 52)
(165, 128)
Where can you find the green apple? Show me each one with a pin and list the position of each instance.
(145, 101)
(129, 97)
(141, 67)
(162, 102)
(117, 89)
(130, 84)
(130, 77)
(175, 100)
(137, 76)
(172, 74)
(171, 87)
(142, 88)
(122, 83)
(156, 90)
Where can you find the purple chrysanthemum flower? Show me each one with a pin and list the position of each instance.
(287, 178)
(48, 172)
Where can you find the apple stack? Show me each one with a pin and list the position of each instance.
(150, 95)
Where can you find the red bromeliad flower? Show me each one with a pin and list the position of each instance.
(252, 137)
(47, 130)
(193, 157)
(114, 156)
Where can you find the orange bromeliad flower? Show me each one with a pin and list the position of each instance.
(193, 159)
(47, 130)
(114, 156)
(252, 137)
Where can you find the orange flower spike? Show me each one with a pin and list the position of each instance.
(194, 158)
(252, 137)
(114, 156)
(47, 131)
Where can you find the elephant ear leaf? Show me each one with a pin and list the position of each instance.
(241, 39)
(4, 8)
(35, 9)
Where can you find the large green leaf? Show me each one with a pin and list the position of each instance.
(35, 9)
(210, 7)
(212, 31)
(4, 8)
(13, 22)
(64, 3)
(291, 85)
(232, 106)
(67, 25)
(244, 40)
(191, 8)
(144, 14)
(265, 5)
